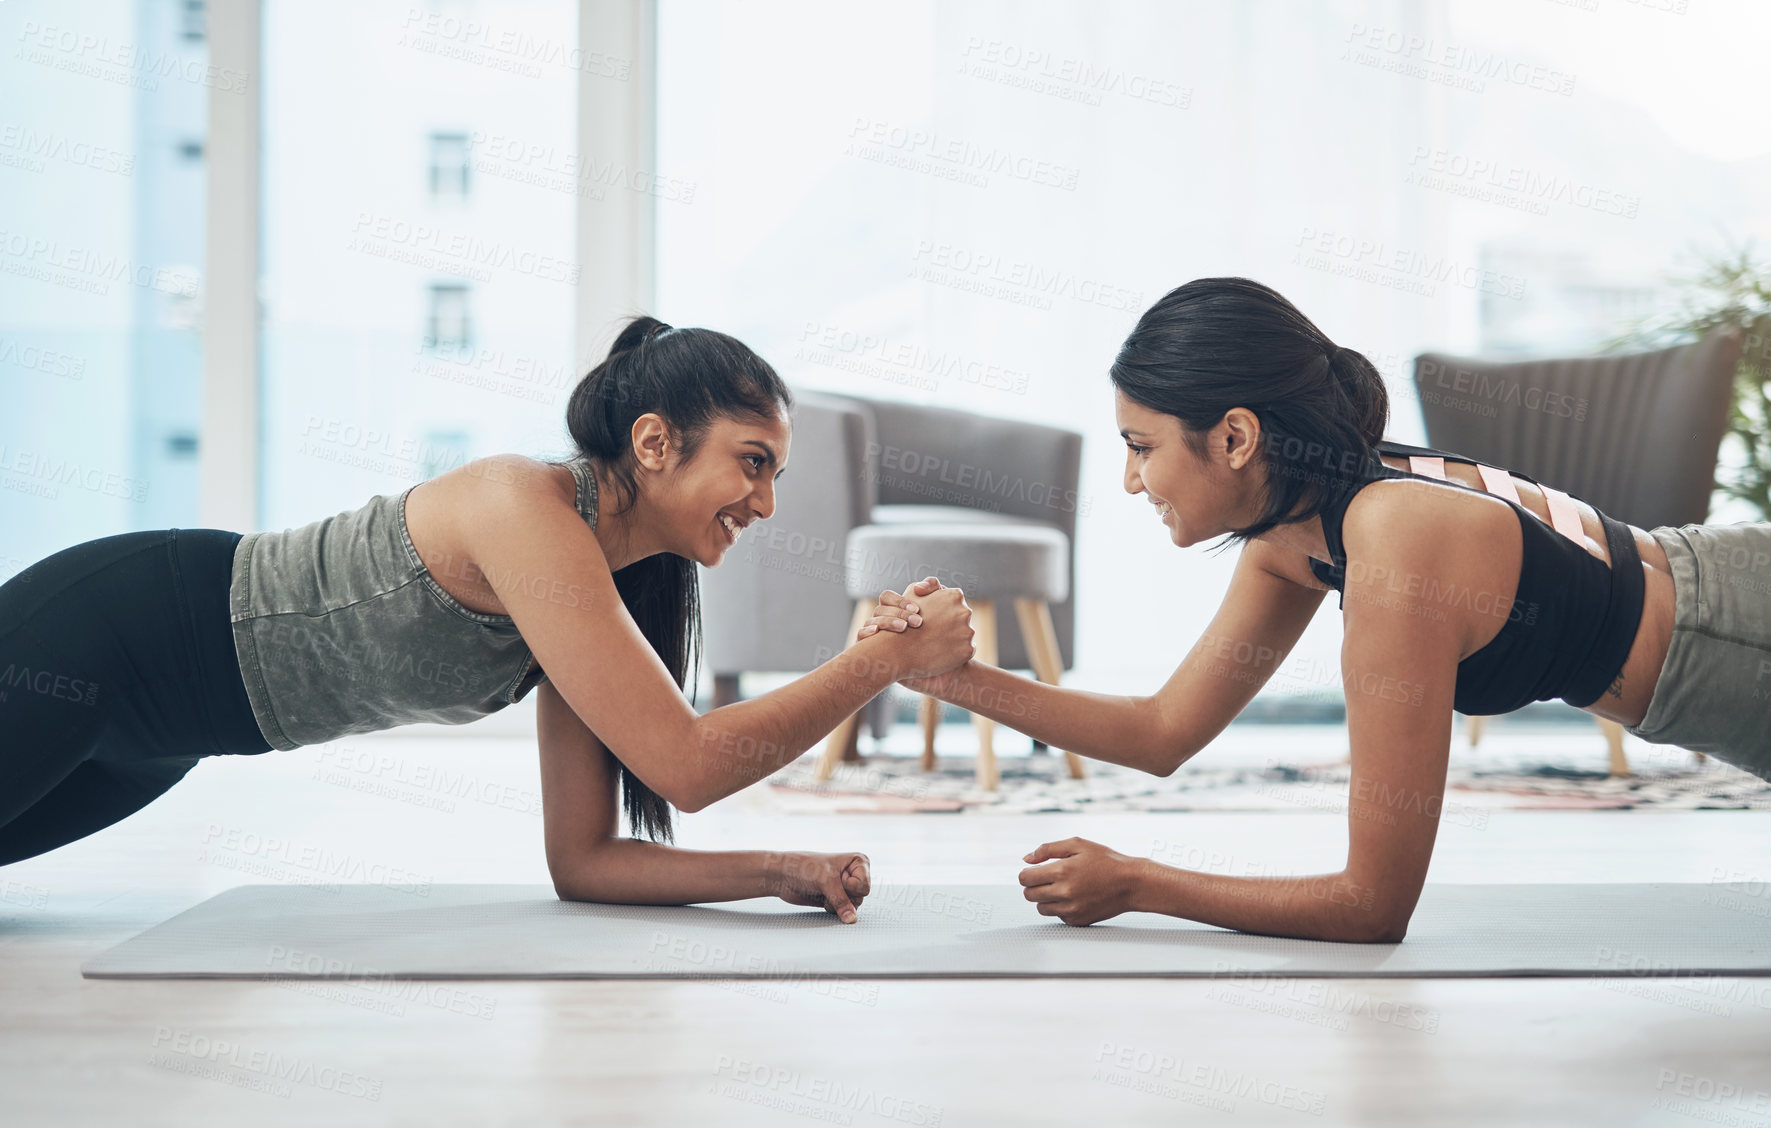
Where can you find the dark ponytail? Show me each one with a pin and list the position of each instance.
(1218, 343)
(690, 377)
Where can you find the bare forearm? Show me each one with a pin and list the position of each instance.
(739, 744)
(629, 871)
(1101, 726)
(1308, 907)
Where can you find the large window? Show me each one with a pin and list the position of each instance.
(101, 247)
(420, 186)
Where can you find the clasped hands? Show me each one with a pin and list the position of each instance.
(943, 642)
(1077, 881)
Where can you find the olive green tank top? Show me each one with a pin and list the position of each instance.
(340, 629)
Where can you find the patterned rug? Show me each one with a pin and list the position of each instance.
(1500, 779)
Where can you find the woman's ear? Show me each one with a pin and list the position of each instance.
(1242, 436)
(651, 441)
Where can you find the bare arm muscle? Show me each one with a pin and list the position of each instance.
(555, 583)
(1262, 616)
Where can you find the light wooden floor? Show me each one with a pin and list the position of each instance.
(954, 1052)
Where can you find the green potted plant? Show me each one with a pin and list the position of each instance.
(1728, 288)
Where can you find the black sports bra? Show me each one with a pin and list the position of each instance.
(1572, 621)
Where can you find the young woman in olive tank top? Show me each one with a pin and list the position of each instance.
(1240, 417)
(125, 660)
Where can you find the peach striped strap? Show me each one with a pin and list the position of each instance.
(1428, 466)
(1498, 482)
(1563, 515)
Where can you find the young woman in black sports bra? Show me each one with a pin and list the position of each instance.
(1240, 417)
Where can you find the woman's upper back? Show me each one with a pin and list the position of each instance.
(1564, 630)
(341, 626)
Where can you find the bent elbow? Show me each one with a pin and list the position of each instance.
(683, 791)
(687, 804)
(571, 887)
(567, 893)
(1165, 746)
(1380, 930)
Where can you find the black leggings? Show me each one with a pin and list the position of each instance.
(117, 674)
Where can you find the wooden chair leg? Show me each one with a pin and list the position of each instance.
(725, 689)
(1041, 637)
(1474, 726)
(984, 624)
(1620, 764)
(928, 715)
(849, 730)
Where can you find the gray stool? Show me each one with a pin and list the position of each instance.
(991, 559)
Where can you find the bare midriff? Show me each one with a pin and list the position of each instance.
(1626, 700)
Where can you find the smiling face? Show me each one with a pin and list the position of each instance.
(728, 483)
(1196, 498)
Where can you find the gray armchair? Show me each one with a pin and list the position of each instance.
(1635, 435)
(938, 463)
(990, 505)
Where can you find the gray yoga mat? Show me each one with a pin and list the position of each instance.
(526, 932)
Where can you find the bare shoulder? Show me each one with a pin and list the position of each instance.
(1444, 564)
(1404, 518)
(500, 474)
(507, 498)
(500, 483)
